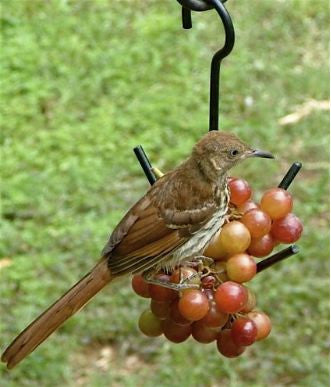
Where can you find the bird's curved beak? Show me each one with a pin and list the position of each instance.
(260, 153)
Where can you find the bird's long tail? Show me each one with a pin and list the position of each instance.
(57, 314)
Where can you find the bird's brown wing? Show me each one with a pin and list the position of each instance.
(148, 233)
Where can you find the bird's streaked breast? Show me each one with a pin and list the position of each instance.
(198, 242)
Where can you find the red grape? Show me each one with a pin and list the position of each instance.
(276, 202)
(240, 191)
(160, 309)
(235, 237)
(140, 286)
(209, 293)
(174, 332)
(208, 281)
(231, 297)
(149, 324)
(251, 302)
(161, 293)
(202, 333)
(220, 268)
(243, 331)
(241, 268)
(185, 273)
(262, 246)
(247, 206)
(288, 229)
(176, 316)
(193, 305)
(226, 345)
(262, 322)
(257, 221)
(214, 318)
(215, 249)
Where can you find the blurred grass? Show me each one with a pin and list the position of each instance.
(83, 82)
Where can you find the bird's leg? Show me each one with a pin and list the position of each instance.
(202, 262)
(149, 277)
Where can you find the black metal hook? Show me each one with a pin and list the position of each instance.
(193, 5)
(199, 5)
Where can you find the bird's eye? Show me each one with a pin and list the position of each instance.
(234, 152)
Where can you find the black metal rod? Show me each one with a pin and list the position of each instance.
(290, 175)
(196, 5)
(216, 64)
(145, 163)
(286, 253)
(186, 18)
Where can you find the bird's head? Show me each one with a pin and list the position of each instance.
(217, 152)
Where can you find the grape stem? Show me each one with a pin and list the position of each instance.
(286, 253)
(290, 175)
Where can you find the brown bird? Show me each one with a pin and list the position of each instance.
(171, 223)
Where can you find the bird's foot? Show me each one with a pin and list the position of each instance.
(184, 282)
(202, 264)
(203, 260)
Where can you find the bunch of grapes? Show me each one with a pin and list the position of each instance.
(258, 228)
(217, 306)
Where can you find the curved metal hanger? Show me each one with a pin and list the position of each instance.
(199, 6)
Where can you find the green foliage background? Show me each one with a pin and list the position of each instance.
(83, 82)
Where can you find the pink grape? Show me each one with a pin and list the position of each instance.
(257, 221)
(276, 202)
(243, 331)
(241, 268)
(208, 282)
(240, 191)
(288, 229)
(215, 249)
(226, 346)
(140, 286)
(262, 246)
(251, 302)
(160, 309)
(231, 297)
(176, 316)
(214, 318)
(235, 237)
(247, 206)
(262, 322)
(193, 305)
(161, 293)
(174, 332)
(202, 333)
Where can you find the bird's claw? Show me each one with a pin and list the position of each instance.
(149, 277)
